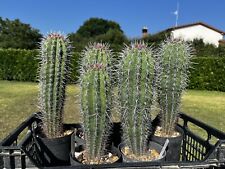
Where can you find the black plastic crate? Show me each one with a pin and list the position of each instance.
(196, 151)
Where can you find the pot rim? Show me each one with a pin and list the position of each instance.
(123, 144)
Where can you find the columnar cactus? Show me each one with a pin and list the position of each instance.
(174, 62)
(95, 84)
(55, 54)
(136, 94)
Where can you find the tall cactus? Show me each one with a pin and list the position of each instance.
(55, 54)
(95, 84)
(174, 62)
(136, 94)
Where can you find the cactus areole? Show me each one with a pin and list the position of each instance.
(95, 83)
(55, 54)
(174, 63)
(136, 76)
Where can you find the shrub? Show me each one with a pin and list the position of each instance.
(207, 50)
(208, 73)
(18, 64)
(22, 65)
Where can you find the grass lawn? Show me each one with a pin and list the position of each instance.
(18, 100)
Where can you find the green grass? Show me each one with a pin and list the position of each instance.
(206, 106)
(18, 100)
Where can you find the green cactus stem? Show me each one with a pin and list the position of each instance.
(136, 94)
(95, 82)
(174, 62)
(55, 55)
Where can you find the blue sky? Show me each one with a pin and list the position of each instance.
(132, 15)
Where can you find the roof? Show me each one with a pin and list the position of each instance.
(222, 41)
(194, 24)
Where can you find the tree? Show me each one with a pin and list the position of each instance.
(204, 49)
(114, 37)
(15, 34)
(78, 42)
(97, 26)
(100, 30)
(156, 39)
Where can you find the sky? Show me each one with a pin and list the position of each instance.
(68, 15)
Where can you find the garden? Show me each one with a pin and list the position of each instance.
(107, 106)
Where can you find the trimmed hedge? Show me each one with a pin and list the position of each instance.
(18, 64)
(22, 65)
(208, 73)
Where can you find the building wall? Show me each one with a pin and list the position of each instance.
(198, 32)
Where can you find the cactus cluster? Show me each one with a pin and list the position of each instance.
(95, 82)
(136, 77)
(174, 63)
(140, 76)
(55, 55)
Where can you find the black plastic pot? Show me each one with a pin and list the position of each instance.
(174, 146)
(152, 145)
(77, 145)
(55, 151)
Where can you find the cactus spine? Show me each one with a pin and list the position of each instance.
(95, 84)
(53, 73)
(174, 62)
(136, 94)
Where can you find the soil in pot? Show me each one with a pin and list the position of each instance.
(175, 142)
(153, 153)
(80, 157)
(55, 151)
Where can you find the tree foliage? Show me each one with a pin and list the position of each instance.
(156, 39)
(114, 37)
(18, 35)
(100, 30)
(207, 50)
(97, 26)
(78, 42)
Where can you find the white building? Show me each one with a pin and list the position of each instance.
(198, 30)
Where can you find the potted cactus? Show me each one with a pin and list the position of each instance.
(136, 77)
(55, 55)
(95, 84)
(174, 63)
